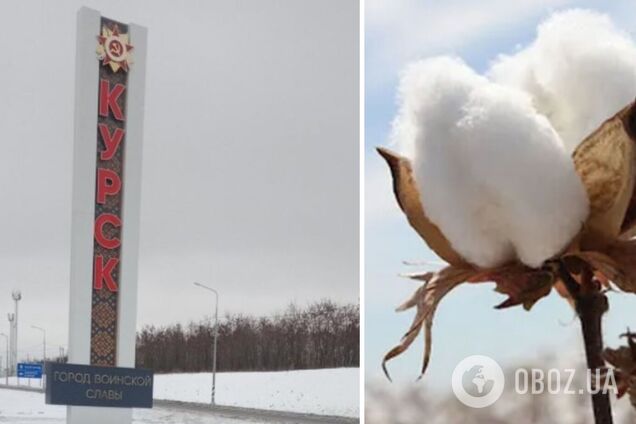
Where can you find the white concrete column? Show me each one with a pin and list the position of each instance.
(83, 208)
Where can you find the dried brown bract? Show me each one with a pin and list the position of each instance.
(623, 360)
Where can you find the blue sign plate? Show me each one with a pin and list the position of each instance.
(30, 370)
(87, 385)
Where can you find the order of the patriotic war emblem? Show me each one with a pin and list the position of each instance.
(114, 49)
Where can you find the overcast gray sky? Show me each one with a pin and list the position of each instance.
(250, 169)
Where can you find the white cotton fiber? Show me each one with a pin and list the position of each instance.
(580, 71)
(492, 172)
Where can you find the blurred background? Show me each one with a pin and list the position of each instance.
(408, 403)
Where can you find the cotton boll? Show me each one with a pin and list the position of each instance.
(446, 96)
(580, 70)
(492, 173)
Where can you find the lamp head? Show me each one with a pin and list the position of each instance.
(16, 294)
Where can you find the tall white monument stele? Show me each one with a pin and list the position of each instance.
(89, 27)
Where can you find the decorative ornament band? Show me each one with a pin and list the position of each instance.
(114, 54)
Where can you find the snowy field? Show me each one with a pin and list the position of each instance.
(23, 382)
(322, 392)
(19, 407)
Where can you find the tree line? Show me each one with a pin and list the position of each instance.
(320, 335)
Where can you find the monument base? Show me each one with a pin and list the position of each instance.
(97, 415)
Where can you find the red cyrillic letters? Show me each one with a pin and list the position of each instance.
(108, 183)
(104, 273)
(100, 222)
(108, 99)
(111, 141)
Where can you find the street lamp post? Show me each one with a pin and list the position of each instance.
(43, 349)
(216, 336)
(11, 318)
(43, 342)
(17, 296)
(6, 375)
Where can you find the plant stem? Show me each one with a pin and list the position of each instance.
(590, 305)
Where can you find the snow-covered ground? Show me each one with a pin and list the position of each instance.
(22, 382)
(323, 392)
(19, 407)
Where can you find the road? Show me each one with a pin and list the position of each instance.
(28, 407)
